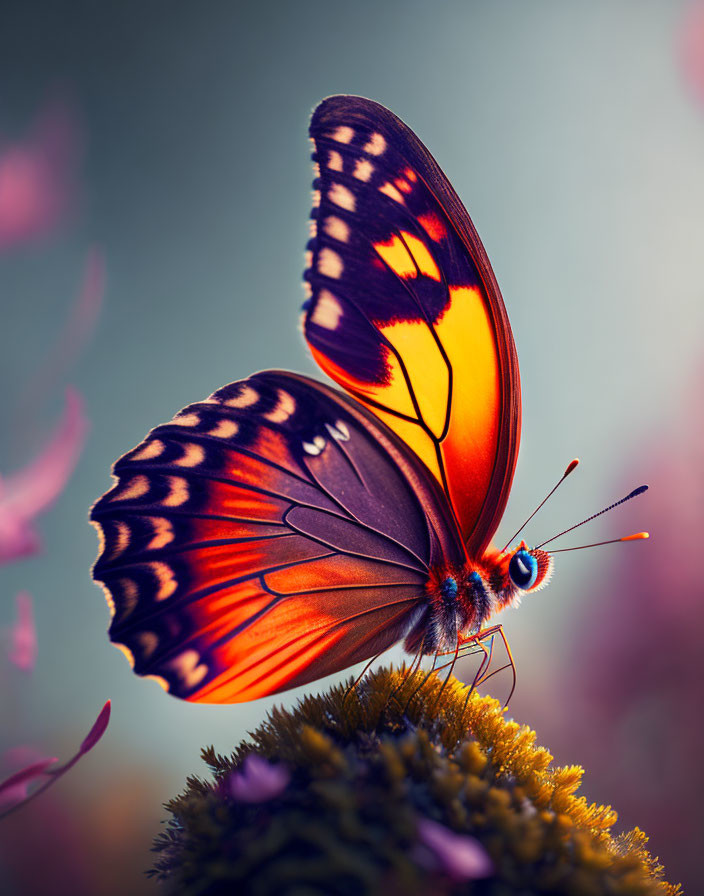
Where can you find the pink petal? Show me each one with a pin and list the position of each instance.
(23, 635)
(692, 48)
(459, 856)
(17, 538)
(31, 491)
(16, 758)
(258, 780)
(85, 311)
(13, 790)
(97, 731)
(37, 178)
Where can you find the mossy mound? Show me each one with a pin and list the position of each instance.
(364, 772)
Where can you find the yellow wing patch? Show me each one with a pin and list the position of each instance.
(406, 255)
(467, 335)
(427, 370)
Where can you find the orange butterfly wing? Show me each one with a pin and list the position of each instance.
(404, 309)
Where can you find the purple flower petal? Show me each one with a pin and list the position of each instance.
(23, 635)
(459, 856)
(97, 731)
(258, 780)
(13, 790)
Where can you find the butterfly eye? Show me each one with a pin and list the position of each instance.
(523, 569)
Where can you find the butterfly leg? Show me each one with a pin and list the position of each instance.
(476, 643)
(510, 665)
(412, 669)
(423, 681)
(485, 663)
(353, 686)
(483, 666)
(447, 677)
(483, 673)
(466, 647)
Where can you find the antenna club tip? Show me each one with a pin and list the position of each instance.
(572, 464)
(636, 537)
(638, 491)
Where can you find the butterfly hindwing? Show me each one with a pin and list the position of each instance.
(266, 537)
(404, 310)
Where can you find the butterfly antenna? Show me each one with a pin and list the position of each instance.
(636, 537)
(571, 466)
(633, 494)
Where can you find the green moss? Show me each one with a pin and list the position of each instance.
(363, 772)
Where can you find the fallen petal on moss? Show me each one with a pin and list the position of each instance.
(258, 781)
(382, 779)
(459, 856)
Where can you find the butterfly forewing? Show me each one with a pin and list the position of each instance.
(405, 312)
(265, 538)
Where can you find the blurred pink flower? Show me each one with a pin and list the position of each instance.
(38, 177)
(459, 856)
(31, 491)
(636, 648)
(258, 780)
(14, 791)
(23, 635)
(692, 48)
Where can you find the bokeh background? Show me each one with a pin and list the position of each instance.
(169, 144)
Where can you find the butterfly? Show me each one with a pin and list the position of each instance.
(282, 530)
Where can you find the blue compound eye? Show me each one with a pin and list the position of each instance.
(523, 569)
